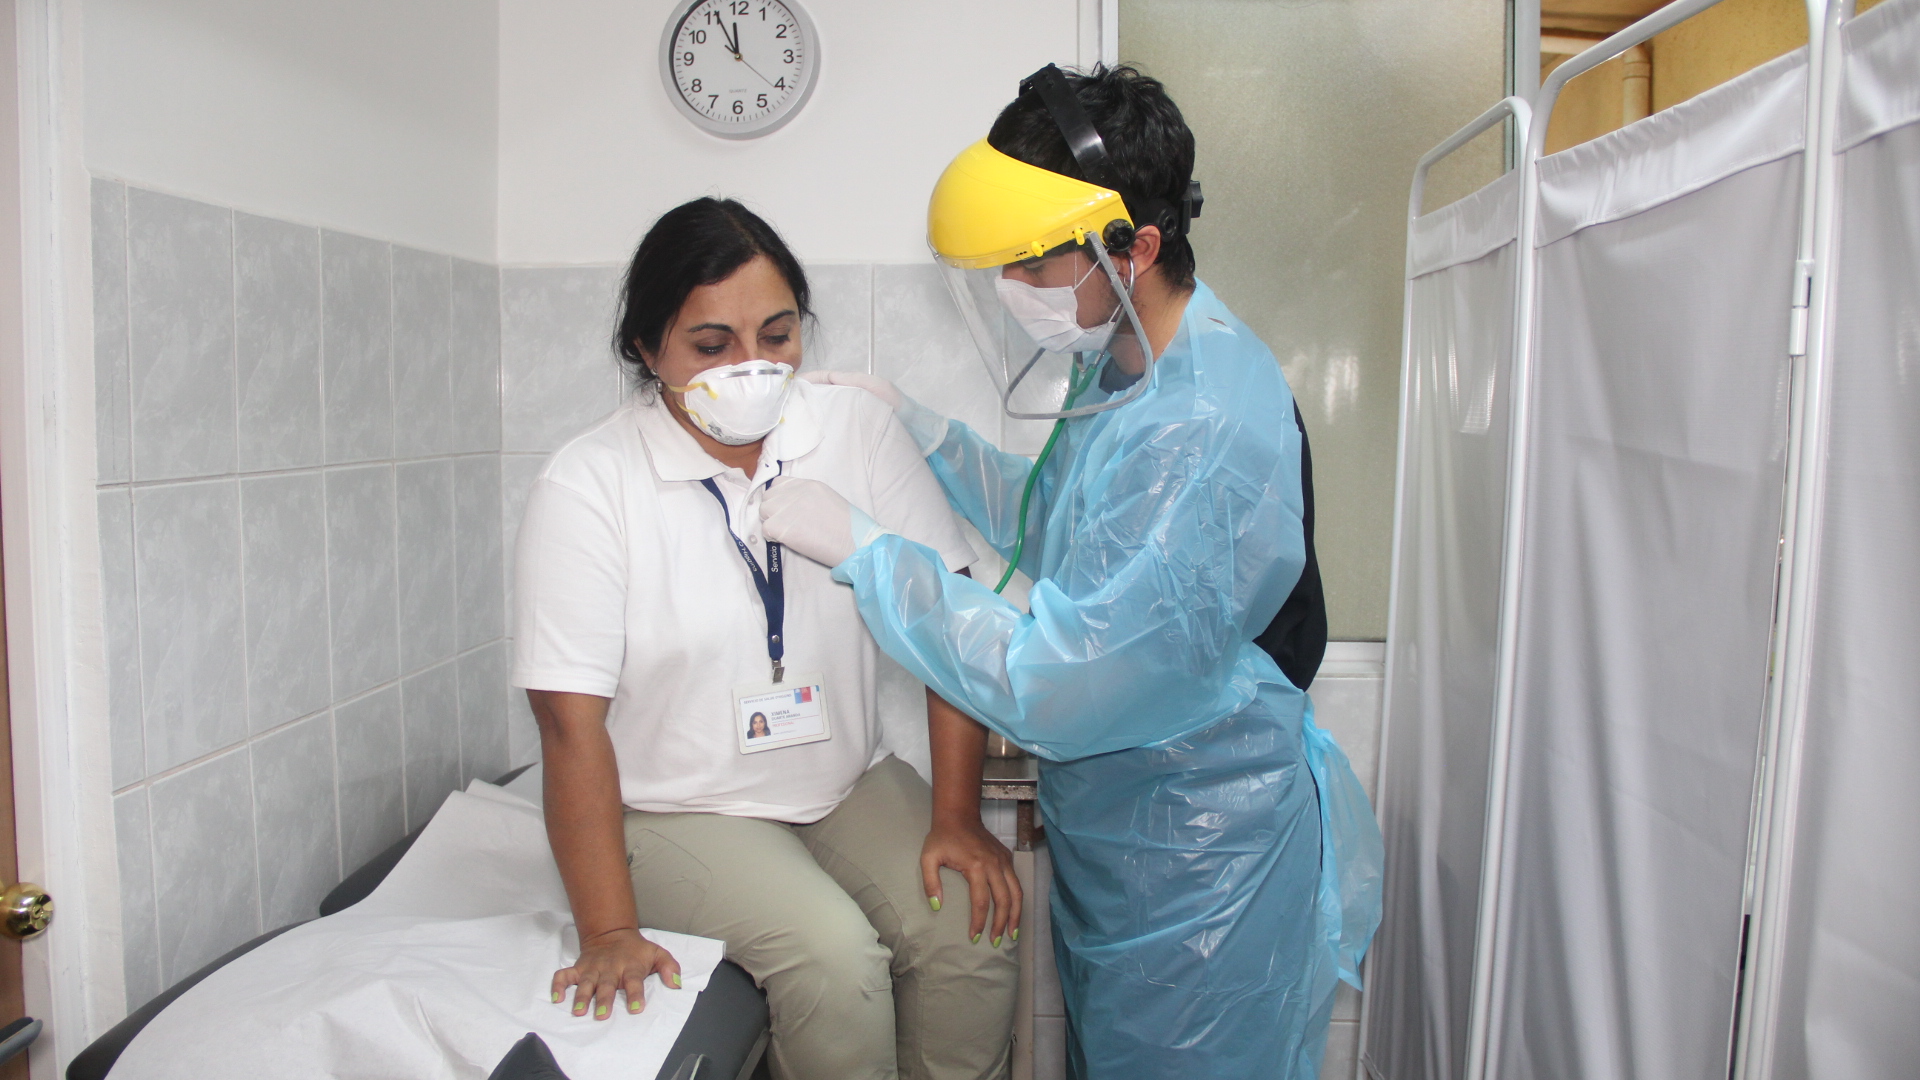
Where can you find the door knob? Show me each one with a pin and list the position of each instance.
(25, 911)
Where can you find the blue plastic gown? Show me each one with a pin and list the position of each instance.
(1216, 864)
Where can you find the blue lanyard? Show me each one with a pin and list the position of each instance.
(771, 585)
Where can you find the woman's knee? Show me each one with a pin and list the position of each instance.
(825, 953)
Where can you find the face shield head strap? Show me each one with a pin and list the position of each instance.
(1090, 152)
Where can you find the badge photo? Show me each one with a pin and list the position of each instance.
(790, 713)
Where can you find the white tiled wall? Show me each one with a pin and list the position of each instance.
(300, 528)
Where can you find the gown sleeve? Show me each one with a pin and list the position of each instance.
(1134, 636)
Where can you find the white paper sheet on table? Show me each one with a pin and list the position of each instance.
(433, 977)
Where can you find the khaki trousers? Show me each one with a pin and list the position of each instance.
(831, 919)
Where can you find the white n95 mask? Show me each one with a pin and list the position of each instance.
(1051, 317)
(738, 403)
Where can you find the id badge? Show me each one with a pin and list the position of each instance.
(792, 712)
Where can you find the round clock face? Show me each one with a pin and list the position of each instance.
(739, 68)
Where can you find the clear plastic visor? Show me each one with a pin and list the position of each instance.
(1059, 334)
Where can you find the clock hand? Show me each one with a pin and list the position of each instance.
(756, 71)
(733, 43)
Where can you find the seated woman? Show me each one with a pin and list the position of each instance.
(708, 725)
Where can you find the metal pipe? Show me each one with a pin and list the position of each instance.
(1773, 837)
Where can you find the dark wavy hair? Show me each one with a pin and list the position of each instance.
(1147, 140)
(696, 243)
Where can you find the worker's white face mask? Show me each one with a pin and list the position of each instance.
(1051, 316)
(738, 403)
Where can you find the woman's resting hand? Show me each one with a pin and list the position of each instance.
(612, 961)
(967, 847)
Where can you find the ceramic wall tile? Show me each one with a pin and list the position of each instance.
(204, 863)
(180, 336)
(1348, 707)
(516, 479)
(361, 578)
(422, 372)
(121, 623)
(139, 932)
(558, 373)
(425, 499)
(1343, 1044)
(479, 589)
(283, 525)
(922, 345)
(430, 704)
(483, 712)
(474, 339)
(277, 343)
(356, 347)
(294, 820)
(187, 569)
(840, 338)
(112, 439)
(368, 748)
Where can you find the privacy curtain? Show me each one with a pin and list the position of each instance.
(1440, 704)
(1851, 991)
(1658, 438)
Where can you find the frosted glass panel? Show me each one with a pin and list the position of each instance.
(1309, 117)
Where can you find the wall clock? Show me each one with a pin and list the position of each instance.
(739, 68)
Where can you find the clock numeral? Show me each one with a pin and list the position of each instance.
(686, 58)
(780, 83)
(699, 37)
(695, 87)
(739, 106)
(713, 101)
(740, 7)
(713, 17)
(763, 13)
(762, 103)
(786, 52)
(780, 31)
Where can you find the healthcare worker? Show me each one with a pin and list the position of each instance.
(1216, 864)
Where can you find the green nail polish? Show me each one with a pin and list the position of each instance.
(633, 1006)
(676, 980)
(933, 902)
(600, 1013)
(976, 939)
(1016, 933)
(557, 996)
(996, 943)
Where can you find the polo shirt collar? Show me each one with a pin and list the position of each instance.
(677, 456)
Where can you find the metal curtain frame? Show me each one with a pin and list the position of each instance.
(1791, 605)
(1776, 816)
(1516, 109)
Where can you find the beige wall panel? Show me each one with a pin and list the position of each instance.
(1309, 118)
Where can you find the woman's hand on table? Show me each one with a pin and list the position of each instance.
(609, 962)
(969, 849)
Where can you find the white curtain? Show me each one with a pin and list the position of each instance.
(1851, 1005)
(1658, 439)
(1440, 705)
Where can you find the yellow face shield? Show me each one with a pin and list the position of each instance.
(1023, 251)
(989, 210)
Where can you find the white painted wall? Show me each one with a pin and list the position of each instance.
(370, 116)
(591, 150)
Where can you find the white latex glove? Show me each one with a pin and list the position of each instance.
(928, 428)
(811, 518)
(872, 384)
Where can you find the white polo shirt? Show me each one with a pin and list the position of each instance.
(628, 587)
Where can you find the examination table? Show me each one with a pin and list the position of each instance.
(724, 1038)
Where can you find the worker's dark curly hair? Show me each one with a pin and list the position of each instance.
(1147, 140)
